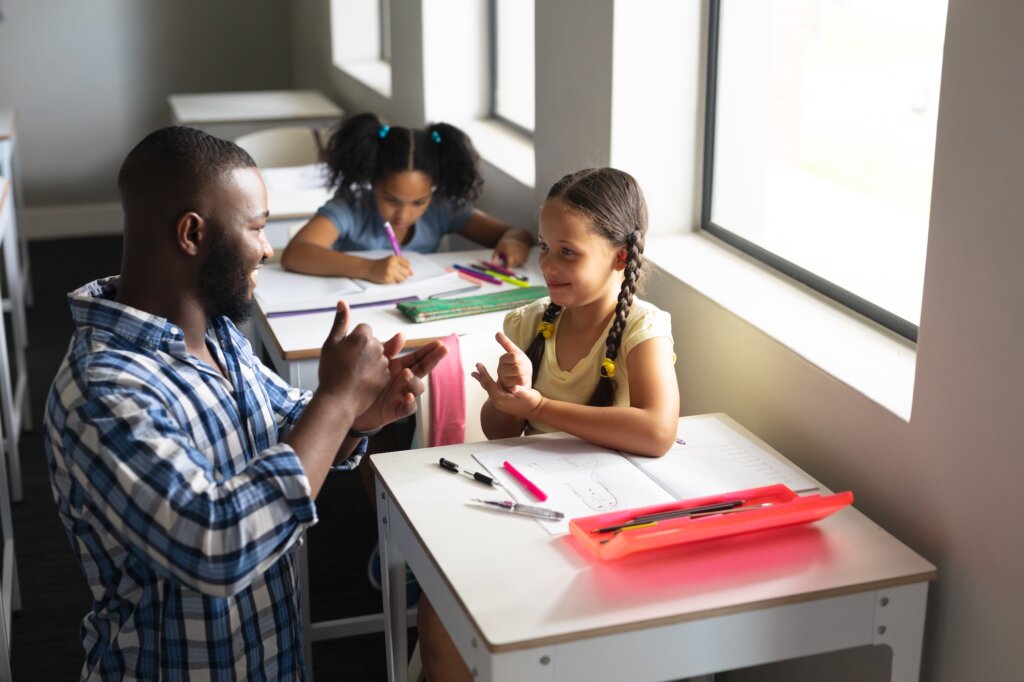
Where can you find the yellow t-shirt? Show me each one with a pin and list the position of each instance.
(576, 385)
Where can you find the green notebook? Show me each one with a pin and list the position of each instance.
(440, 309)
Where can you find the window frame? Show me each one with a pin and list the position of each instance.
(492, 49)
(846, 298)
(384, 24)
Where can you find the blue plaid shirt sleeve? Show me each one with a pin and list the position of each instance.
(157, 492)
(289, 402)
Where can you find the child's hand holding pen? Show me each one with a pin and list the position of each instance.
(390, 270)
(512, 249)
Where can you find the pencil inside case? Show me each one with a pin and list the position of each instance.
(439, 309)
(784, 508)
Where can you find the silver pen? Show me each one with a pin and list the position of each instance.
(516, 508)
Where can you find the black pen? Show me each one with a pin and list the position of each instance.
(669, 514)
(454, 468)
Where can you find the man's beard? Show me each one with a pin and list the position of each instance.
(224, 282)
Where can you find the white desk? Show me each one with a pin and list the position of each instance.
(231, 114)
(293, 343)
(293, 196)
(524, 605)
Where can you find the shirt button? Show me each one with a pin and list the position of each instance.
(174, 331)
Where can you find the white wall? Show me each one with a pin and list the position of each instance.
(946, 482)
(90, 79)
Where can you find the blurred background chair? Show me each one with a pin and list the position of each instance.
(281, 147)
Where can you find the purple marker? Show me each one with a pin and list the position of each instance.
(391, 235)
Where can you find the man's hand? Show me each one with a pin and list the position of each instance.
(398, 399)
(514, 367)
(353, 366)
(522, 402)
(390, 270)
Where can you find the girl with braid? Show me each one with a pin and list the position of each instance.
(423, 182)
(598, 361)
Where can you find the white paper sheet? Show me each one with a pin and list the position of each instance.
(579, 478)
(281, 291)
(278, 290)
(582, 479)
(713, 458)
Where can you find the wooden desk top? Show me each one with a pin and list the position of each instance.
(7, 123)
(497, 563)
(301, 337)
(269, 105)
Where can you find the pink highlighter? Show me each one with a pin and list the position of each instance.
(537, 492)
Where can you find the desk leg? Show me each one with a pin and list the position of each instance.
(899, 624)
(10, 430)
(393, 588)
(307, 606)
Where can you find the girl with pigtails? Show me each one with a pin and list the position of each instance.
(598, 361)
(592, 359)
(422, 182)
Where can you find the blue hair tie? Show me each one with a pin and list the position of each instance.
(435, 136)
(383, 132)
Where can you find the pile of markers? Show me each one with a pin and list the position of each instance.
(492, 273)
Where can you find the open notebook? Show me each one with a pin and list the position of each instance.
(280, 291)
(582, 479)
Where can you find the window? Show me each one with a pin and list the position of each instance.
(385, 30)
(361, 41)
(512, 63)
(820, 142)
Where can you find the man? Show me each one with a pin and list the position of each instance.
(184, 471)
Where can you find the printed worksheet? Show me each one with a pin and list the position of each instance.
(579, 479)
(709, 457)
(582, 479)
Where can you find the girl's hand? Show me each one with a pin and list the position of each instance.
(390, 270)
(511, 252)
(520, 401)
(514, 367)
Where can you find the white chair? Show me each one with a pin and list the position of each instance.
(280, 147)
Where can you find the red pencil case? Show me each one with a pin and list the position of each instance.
(756, 509)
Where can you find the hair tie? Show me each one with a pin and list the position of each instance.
(435, 136)
(608, 368)
(546, 329)
(383, 132)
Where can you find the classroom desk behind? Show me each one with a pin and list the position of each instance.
(293, 343)
(521, 604)
(231, 114)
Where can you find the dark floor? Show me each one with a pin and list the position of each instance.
(45, 641)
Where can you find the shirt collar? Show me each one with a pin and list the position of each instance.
(93, 305)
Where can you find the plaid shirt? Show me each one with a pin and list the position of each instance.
(178, 496)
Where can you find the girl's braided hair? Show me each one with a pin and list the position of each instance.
(614, 204)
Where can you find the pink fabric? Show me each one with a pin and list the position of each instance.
(448, 398)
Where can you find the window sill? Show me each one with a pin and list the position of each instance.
(870, 359)
(373, 73)
(505, 149)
